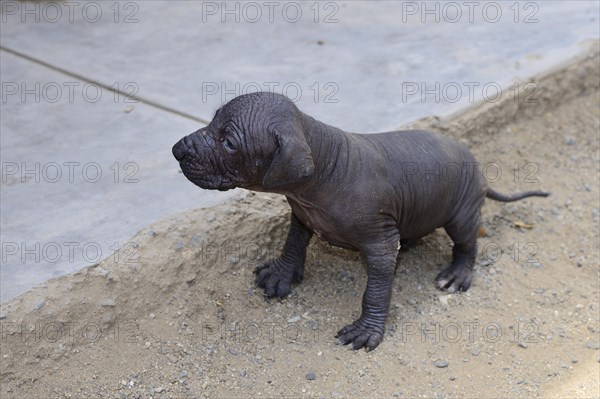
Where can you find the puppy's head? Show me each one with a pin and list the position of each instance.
(255, 141)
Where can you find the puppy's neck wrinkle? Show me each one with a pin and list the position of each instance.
(330, 148)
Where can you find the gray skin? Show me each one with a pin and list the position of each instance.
(369, 193)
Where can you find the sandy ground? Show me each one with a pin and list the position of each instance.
(177, 315)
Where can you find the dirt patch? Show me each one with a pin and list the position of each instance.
(179, 317)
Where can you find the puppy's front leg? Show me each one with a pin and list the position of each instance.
(276, 276)
(368, 330)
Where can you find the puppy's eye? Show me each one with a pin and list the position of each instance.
(228, 144)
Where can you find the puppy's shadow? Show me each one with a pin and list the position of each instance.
(420, 260)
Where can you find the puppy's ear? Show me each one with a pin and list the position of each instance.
(292, 161)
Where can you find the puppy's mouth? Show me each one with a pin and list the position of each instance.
(203, 179)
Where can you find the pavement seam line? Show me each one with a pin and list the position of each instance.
(75, 75)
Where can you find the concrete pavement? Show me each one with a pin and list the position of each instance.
(95, 93)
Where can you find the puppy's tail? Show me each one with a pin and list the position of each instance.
(496, 196)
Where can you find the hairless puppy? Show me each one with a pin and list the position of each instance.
(369, 193)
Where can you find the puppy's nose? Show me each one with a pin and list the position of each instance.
(179, 150)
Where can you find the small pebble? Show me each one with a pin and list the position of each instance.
(311, 376)
(523, 345)
(441, 364)
(233, 351)
(172, 358)
(183, 374)
(444, 299)
(293, 319)
(558, 331)
(108, 302)
(574, 360)
(593, 345)
(569, 140)
(233, 259)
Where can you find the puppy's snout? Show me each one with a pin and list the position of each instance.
(180, 149)
(190, 145)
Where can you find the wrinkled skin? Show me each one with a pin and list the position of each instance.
(368, 193)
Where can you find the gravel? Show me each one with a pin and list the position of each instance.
(109, 302)
(593, 345)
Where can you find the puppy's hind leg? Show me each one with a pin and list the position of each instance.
(276, 276)
(463, 232)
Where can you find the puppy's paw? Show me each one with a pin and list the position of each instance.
(454, 278)
(274, 278)
(360, 335)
